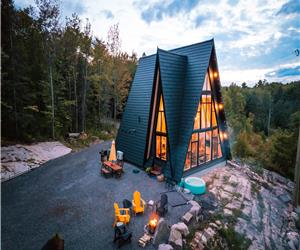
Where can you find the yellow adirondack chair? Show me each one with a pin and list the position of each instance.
(121, 214)
(138, 204)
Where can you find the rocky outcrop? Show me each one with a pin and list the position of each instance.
(19, 159)
(256, 204)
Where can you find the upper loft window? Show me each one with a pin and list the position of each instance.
(206, 112)
(205, 141)
(161, 132)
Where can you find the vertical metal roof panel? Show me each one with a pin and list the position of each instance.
(172, 73)
(132, 134)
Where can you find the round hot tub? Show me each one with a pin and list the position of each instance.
(195, 184)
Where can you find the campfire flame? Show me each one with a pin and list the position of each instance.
(153, 221)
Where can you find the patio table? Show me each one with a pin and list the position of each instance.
(116, 169)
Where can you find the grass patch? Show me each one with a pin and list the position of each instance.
(255, 188)
(234, 240)
(237, 195)
(225, 179)
(298, 224)
(93, 136)
(237, 212)
(234, 184)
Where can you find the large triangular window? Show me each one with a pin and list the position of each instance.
(204, 145)
(161, 132)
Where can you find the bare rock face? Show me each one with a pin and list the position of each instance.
(195, 210)
(258, 203)
(162, 232)
(175, 239)
(165, 247)
(187, 218)
(19, 159)
(182, 228)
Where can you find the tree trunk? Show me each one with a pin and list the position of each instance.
(70, 99)
(99, 99)
(76, 101)
(115, 106)
(52, 98)
(14, 86)
(84, 98)
(297, 175)
(269, 119)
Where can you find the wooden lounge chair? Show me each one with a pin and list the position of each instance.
(122, 235)
(121, 214)
(138, 204)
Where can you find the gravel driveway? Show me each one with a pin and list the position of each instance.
(68, 196)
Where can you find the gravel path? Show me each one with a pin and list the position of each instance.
(67, 195)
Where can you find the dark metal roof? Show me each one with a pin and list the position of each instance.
(182, 76)
(132, 133)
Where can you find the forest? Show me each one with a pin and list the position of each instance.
(57, 78)
(264, 124)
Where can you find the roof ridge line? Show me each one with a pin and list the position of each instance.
(171, 50)
(171, 53)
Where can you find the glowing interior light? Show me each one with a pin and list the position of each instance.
(215, 74)
(225, 136)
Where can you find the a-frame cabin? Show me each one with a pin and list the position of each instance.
(174, 116)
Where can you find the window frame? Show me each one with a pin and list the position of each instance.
(200, 130)
(161, 134)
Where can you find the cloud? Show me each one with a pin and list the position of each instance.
(292, 6)
(233, 2)
(69, 7)
(202, 19)
(107, 13)
(159, 10)
(251, 40)
(293, 71)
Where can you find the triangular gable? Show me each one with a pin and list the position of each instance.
(172, 73)
(198, 61)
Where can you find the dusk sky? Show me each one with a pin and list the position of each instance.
(255, 39)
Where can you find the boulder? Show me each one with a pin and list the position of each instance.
(293, 238)
(182, 228)
(292, 245)
(195, 210)
(194, 203)
(227, 211)
(187, 218)
(162, 232)
(175, 239)
(209, 233)
(165, 247)
(200, 246)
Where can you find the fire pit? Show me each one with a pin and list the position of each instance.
(152, 224)
(149, 230)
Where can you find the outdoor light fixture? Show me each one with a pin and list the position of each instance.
(220, 106)
(215, 74)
